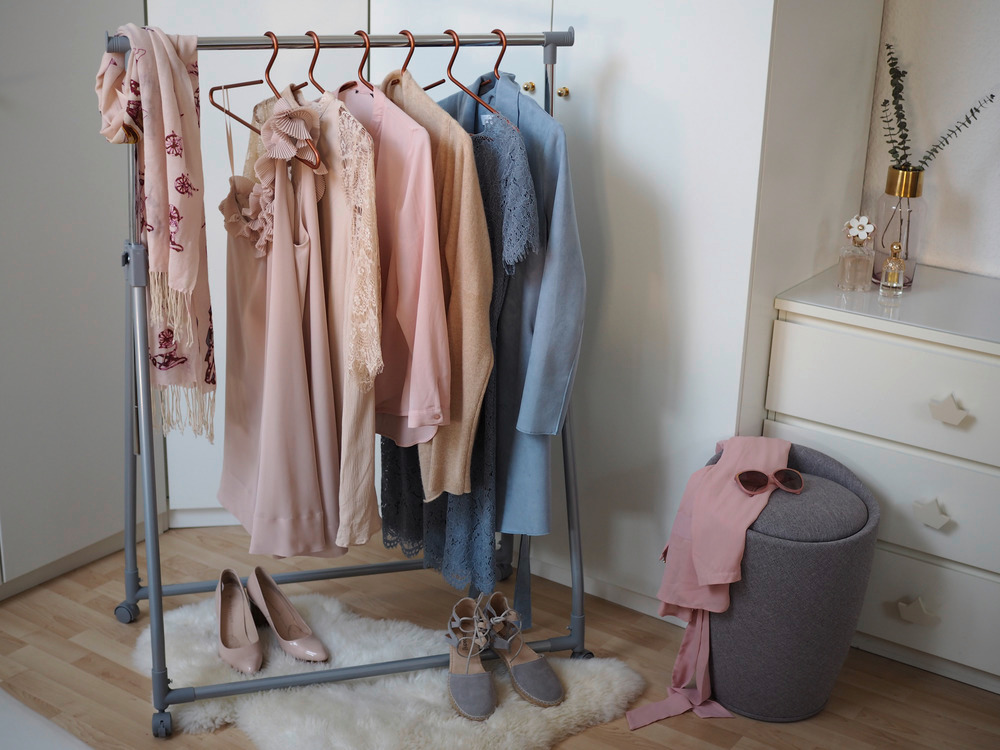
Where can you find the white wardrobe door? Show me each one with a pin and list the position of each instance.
(62, 213)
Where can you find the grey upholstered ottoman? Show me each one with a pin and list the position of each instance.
(777, 651)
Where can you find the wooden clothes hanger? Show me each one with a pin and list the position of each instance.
(267, 77)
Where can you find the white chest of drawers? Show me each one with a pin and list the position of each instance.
(872, 387)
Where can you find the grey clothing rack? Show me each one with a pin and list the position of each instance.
(139, 417)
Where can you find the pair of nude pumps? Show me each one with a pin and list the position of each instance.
(490, 622)
(239, 643)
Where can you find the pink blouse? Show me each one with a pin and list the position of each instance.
(412, 394)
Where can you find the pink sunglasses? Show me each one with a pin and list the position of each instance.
(755, 482)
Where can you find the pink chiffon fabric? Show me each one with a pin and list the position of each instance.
(703, 556)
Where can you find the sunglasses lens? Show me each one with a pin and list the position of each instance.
(789, 479)
(752, 481)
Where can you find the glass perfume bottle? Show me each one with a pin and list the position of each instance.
(893, 273)
(857, 259)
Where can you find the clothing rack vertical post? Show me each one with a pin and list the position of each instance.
(139, 418)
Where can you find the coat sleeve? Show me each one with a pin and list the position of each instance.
(558, 324)
(421, 294)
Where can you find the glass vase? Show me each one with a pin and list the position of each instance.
(899, 218)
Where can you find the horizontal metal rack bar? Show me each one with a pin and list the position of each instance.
(301, 576)
(538, 39)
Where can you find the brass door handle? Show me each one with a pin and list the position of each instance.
(562, 91)
(529, 87)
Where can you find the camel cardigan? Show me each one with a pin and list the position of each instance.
(467, 269)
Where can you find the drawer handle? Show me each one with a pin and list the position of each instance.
(947, 411)
(916, 612)
(930, 514)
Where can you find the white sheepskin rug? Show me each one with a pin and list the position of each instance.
(409, 710)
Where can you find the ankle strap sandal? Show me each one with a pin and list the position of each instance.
(530, 673)
(470, 687)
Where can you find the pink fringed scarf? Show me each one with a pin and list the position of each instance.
(153, 102)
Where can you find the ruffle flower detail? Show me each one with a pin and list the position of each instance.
(283, 137)
(259, 226)
(285, 133)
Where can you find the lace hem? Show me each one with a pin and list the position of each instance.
(364, 354)
(402, 499)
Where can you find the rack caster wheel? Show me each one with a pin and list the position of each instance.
(127, 612)
(504, 571)
(582, 654)
(163, 724)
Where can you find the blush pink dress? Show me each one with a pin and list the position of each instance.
(279, 504)
(298, 466)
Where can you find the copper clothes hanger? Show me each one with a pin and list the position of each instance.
(454, 35)
(503, 51)
(413, 46)
(267, 77)
(312, 65)
(361, 67)
(226, 87)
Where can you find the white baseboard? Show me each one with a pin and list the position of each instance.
(103, 548)
(647, 605)
(195, 517)
(928, 662)
(650, 605)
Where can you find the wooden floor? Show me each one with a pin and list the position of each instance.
(63, 654)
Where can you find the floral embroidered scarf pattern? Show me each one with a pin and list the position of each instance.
(153, 101)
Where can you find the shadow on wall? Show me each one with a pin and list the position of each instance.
(622, 396)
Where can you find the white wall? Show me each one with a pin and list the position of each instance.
(62, 224)
(822, 74)
(950, 53)
(664, 122)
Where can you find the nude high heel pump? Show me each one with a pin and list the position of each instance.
(239, 644)
(294, 636)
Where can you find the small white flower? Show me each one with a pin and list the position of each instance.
(860, 227)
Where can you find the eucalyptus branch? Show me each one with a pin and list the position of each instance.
(890, 131)
(901, 150)
(897, 134)
(962, 124)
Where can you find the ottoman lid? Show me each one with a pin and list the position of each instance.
(823, 512)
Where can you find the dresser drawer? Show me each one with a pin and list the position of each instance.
(967, 608)
(902, 480)
(881, 385)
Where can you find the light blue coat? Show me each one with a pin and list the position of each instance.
(541, 324)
